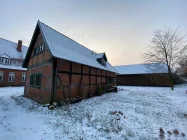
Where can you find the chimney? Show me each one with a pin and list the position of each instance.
(19, 45)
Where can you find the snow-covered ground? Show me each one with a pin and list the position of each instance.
(134, 113)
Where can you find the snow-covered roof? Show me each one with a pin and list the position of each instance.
(13, 67)
(63, 47)
(4, 55)
(9, 48)
(141, 68)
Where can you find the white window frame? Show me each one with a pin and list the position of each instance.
(1, 60)
(23, 77)
(11, 77)
(1, 75)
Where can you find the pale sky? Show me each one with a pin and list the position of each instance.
(120, 28)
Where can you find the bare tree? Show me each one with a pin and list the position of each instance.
(167, 47)
(182, 64)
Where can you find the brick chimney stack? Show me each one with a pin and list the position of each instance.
(19, 45)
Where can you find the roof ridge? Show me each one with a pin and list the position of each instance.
(65, 36)
(130, 64)
(137, 64)
(11, 41)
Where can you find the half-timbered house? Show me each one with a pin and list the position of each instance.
(61, 69)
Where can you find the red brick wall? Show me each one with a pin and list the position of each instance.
(18, 76)
(143, 80)
(73, 89)
(43, 93)
(40, 64)
(66, 71)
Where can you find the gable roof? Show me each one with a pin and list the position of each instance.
(8, 48)
(141, 68)
(61, 46)
(4, 55)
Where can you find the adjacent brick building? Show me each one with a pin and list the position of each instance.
(61, 69)
(142, 75)
(11, 58)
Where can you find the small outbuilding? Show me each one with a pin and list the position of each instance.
(142, 75)
(59, 68)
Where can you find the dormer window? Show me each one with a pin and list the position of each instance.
(101, 58)
(103, 61)
(5, 61)
(1, 60)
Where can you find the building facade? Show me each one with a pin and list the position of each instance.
(60, 69)
(11, 58)
(142, 75)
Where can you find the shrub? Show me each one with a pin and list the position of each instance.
(99, 90)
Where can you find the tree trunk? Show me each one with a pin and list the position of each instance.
(171, 77)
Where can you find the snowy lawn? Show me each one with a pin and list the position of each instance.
(134, 113)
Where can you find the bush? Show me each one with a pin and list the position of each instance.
(99, 90)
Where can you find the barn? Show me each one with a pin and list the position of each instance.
(11, 58)
(60, 69)
(142, 75)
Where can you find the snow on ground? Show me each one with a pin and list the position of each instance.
(134, 113)
(15, 122)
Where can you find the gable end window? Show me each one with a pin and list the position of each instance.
(38, 49)
(1, 76)
(23, 77)
(35, 80)
(11, 77)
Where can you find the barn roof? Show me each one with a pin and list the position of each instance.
(63, 47)
(141, 68)
(8, 49)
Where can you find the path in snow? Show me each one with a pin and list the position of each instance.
(15, 122)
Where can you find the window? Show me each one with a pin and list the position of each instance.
(35, 80)
(42, 46)
(38, 49)
(1, 60)
(11, 77)
(23, 77)
(1, 76)
(5, 61)
(103, 61)
(32, 80)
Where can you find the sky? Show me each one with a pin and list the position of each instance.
(120, 28)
